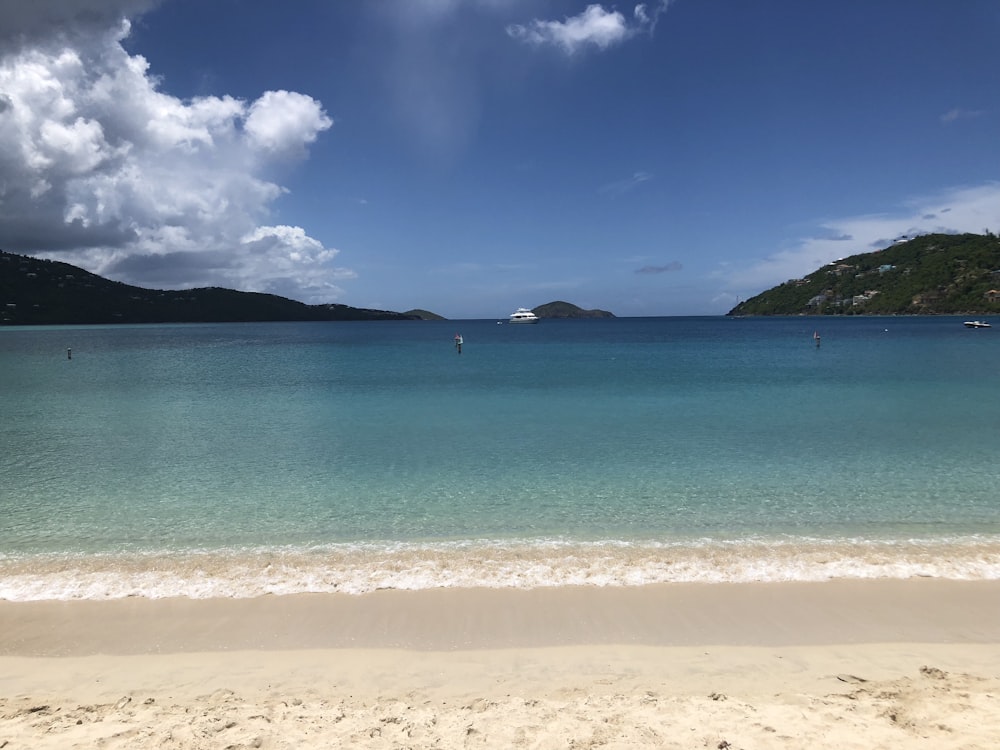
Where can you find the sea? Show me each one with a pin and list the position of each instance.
(239, 460)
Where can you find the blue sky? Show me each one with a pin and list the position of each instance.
(473, 156)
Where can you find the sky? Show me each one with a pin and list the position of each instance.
(469, 157)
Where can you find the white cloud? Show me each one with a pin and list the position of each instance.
(101, 168)
(619, 187)
(965, 209)
(290, 260)
(960, 114)
(283, 122)
(594, 26)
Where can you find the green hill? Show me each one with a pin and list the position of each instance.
(423, 315)
(928, 275)
(35, 291)
(566, 310)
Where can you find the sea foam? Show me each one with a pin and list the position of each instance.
(362, 568)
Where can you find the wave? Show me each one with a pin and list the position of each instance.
(362, 568)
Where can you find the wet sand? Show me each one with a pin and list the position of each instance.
(842, 664)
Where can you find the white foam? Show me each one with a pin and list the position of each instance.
(361, 568)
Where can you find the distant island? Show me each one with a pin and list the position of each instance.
(566, 310)
(933, 274)
(35, 292)
(423, 315)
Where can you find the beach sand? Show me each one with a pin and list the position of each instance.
(843, 664)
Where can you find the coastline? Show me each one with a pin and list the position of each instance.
(364, 568)
(734, 614)
(837, 664)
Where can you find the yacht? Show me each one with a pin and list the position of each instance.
(523, 315)
(977, 324)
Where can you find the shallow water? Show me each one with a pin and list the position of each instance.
(238, 459)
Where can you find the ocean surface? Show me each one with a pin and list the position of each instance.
(242, 459)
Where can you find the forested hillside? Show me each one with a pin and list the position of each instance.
(35, 291)
(931, 274)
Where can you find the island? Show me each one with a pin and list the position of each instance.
(36, 291)
(418, 314)
(560, 309)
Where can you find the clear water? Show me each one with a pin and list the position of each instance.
(241, 459)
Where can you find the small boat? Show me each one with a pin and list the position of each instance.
(524, 315)
(977, 324)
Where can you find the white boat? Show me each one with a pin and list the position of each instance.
(977, 324)
(524, 315)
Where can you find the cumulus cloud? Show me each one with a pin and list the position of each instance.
(101, 168)
(283, 122)
(290, 260)
(595, 26)
(29, 21)
(965, 209)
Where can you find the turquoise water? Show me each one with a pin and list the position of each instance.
(241, 459)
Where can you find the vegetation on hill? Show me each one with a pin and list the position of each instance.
(566, 310)
(930, 274)
(423, 315)
(35, 291)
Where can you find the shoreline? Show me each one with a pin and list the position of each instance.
(359, 569)
(736, 614)
(839, 664)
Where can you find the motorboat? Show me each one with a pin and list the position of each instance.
(977, 324)
(524, 315)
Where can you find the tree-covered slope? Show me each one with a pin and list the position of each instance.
(931, 274)
(35, 291)
(423, 315)
(560, 309)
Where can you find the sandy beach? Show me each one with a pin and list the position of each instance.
(863, 664)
